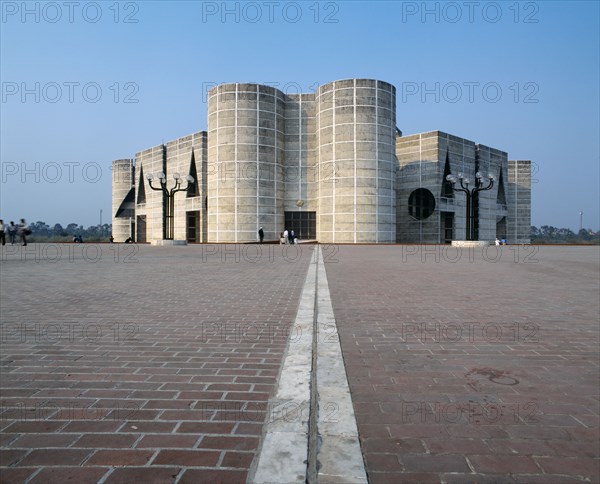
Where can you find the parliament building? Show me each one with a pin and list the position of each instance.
(331, 165)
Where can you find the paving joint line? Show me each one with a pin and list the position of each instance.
(313, 429)
(340, 457)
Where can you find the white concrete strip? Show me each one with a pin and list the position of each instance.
(284, 453)
(283, 456)
(339, 456)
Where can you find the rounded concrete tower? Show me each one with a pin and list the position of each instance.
(245, 171)
(123, 199)
(356, 141)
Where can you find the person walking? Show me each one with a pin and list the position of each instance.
(24, 231)
(12, 232)
(2, 232)
(285, 236)
(261, 235)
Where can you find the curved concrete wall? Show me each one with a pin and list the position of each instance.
(245, 173)
(356, 132)
(122, 182)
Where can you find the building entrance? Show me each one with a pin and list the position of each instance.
(304, 224)
(193, 227)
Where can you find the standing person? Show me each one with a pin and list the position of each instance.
(24, 231)
(2, 232)
(285, 236)
(291, 237)
(261, 235)
(12, 232)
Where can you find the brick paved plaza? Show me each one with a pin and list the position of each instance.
(474, 370)
(153, 364)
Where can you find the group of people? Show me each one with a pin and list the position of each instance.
(10, 232)
(500, 241)
(285, 237)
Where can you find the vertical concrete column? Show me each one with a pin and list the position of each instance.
(519, 202)
(299, 172)
(325, 163)
(200, 146)
(356, 153)
(246, 155)
(122, 184)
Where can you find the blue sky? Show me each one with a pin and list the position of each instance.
(86, 83)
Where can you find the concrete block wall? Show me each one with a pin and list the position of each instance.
(300, 167)
(491, 160)
(519, 202)
(179, 158)
(150, 161)
(422, 159)
(178, 153)
(122, 184)
(462, 156)
(418, 160)
(200, 147)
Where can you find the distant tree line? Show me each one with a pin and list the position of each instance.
(42, 232)
(547, 234)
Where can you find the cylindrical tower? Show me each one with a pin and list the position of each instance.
(245, 162)
(123, 199)
(356, 133)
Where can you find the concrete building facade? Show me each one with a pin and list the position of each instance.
(330, 165)
(424, 162)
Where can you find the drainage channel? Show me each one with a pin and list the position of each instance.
(311, 434)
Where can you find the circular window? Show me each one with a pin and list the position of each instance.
(421, 203)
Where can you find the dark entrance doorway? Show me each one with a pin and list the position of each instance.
(447, 226)
(501, 228)
(140, 235)
(304, 224)
(193, 227)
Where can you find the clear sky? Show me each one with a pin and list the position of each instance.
(84, 83)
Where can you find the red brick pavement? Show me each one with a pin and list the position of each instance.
(472, 370)
(144, 364)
